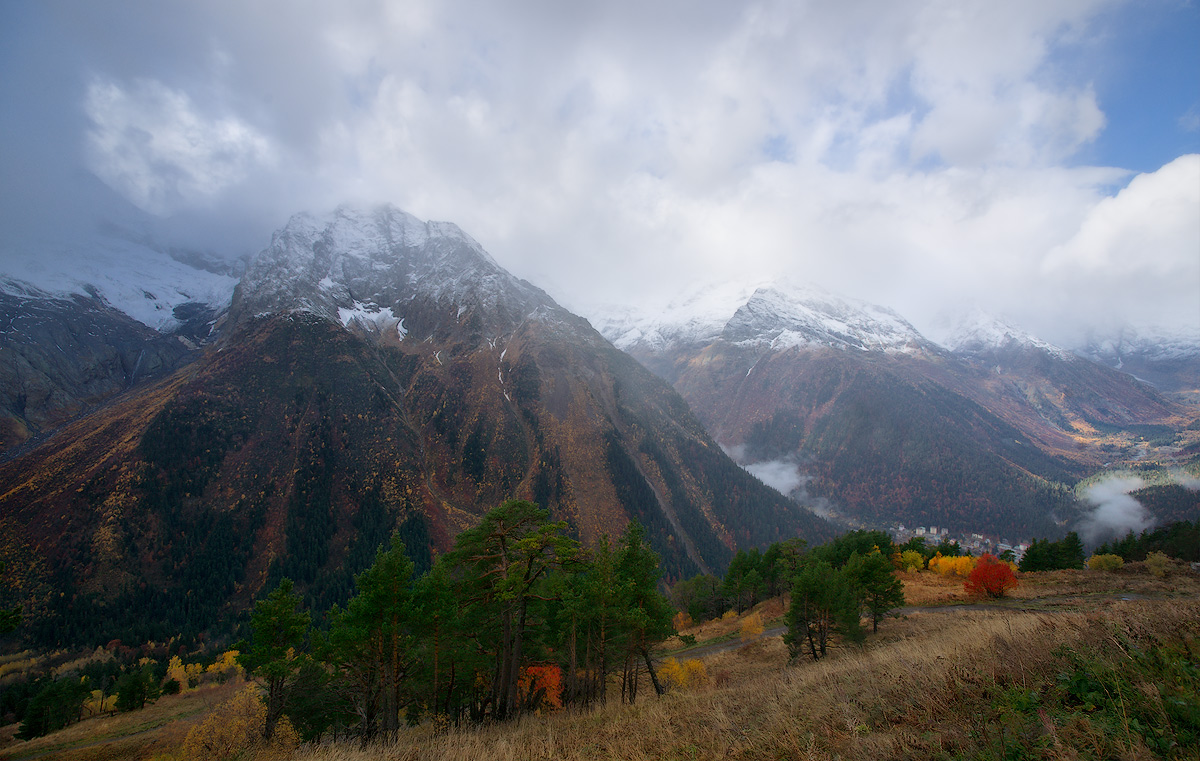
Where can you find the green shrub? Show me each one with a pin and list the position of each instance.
(911, 560)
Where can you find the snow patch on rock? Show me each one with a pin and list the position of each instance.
(372, 317)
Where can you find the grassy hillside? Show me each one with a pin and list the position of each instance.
(1077, 664)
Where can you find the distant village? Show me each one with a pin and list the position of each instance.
(975, 544)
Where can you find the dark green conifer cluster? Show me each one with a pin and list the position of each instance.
(516, 617)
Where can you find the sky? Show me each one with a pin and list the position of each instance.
(1039, 159)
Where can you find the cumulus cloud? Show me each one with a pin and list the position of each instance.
(1139, 247)
(901, 153)
(1150, 226)
(149, 143)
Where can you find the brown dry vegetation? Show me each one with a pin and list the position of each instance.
(155, 732)
(931, 684)
(915, 692)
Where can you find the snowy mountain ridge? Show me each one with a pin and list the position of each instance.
(775, 315)
(697, 316)
(130, 276)
(978, 332)
(787, 316)
(1155, 343)
(365, 264)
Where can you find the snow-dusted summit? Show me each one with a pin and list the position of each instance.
(148, 282)
(978, 333)
(806, 316)
(697, 316)
(774, 316)
(368, 265)
(1150, 343)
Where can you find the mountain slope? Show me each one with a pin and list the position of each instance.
(375, 373)
(62, 355)
(884, 426)
(1067, 403)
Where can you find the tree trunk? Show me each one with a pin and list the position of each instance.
(572, 664)
(437, 646)
(500, 683)
(658, 688)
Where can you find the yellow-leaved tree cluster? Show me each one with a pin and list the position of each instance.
(235, 730)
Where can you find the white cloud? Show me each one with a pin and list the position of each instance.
(1151, 226)
(149, 143)
(1138, 251)
(902, 153)
(1114, 511)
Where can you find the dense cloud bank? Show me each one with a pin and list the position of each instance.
(901, 153)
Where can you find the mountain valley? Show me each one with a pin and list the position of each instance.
(882, 426)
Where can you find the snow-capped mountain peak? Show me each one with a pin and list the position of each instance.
(698, 315)
(1155, 343)
(978, 332)
(356, 262)
(789, 316)
(146, 283)
(777, 315)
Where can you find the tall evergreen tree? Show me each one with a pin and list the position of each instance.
(1039, 557)
(443, 652)
(648, 613)
(372, 641)
(1069, 551)
(875, 585)
(279, 628)
(57, 704)
(503, 565)
(823, 604)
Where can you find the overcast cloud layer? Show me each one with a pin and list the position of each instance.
(915, 154)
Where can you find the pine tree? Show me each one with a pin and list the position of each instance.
(875, 585)
(502, 566)
(136, 688)
(1069, 551)
(823, 604)
(373, 641)
(648, 613)
(279, 629)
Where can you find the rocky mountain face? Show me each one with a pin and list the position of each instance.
(61, 356)
(374, 373)
(882, 425)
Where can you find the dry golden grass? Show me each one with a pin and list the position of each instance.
(909, 695)
(156, 731)
(914, 691)
(1057, 588)
(770, 612)
(922, 588)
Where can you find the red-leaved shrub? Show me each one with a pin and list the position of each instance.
(991, 578)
